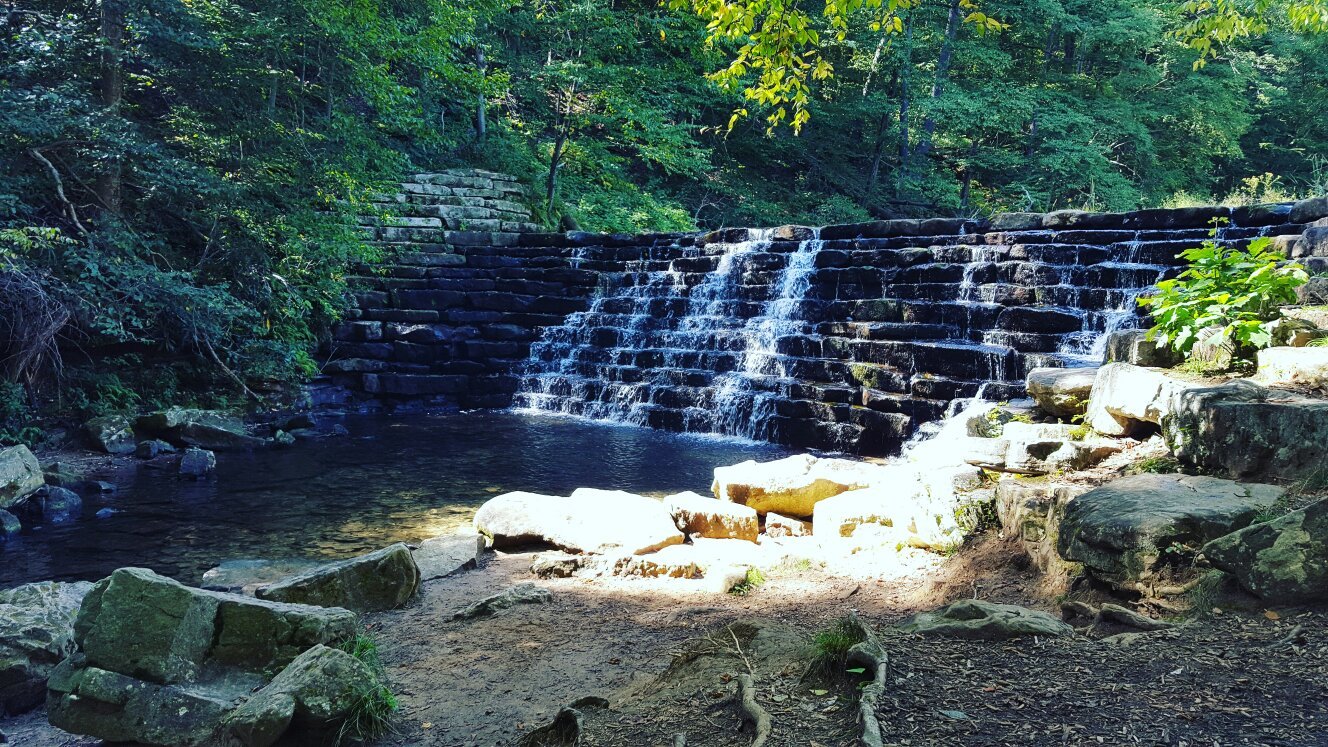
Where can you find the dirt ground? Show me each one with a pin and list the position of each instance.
(1243, 676)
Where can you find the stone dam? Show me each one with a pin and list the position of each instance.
(842, 338)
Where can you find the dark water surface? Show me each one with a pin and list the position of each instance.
(400, 478)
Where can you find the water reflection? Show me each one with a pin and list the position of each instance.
(401, 478)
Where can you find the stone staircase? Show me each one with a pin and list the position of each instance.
(430, 205)
(844, 338)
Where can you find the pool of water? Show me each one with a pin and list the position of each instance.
(403, 478)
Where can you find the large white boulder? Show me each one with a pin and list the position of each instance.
(598, 521)
(1293, 367)
(791, 486)
(918, 507)
(1125, 397)
(1062, 392)
(702, 516)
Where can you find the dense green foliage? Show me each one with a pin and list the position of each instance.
(177, 179)
(1228, 297)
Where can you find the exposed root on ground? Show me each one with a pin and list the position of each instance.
(871, 656)
(752, 712)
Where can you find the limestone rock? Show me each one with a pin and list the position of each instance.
(207, 429)
(381, 580)
(311, 697)
(589, 521)
(443, 556)
(113, 434)
(1125, 397)
(981, 620)
(197, 463)
(791, 486)
(160, 663)
(1062, 392)
(1247, 431)
(556, 564)
(1126, 530)
(1307, 211)
(1133, 346)
(917, 506)
(36, 633)
(1032, 512)
(506, 599)
(777, 525)
(56, 505)
(1301, 367)
(1284, 561)
(698, 515)
(20, 475)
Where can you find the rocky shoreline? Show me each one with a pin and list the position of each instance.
(1105, 514)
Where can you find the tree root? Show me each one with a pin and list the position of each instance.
(752, 711)
(871, 656)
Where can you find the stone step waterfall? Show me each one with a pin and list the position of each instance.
(844, 338)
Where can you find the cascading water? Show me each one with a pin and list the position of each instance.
(838, 340)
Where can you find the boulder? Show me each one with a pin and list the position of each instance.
(197, 463)
(1299, 367)
(244, 576)
(916, 506)
(981, 620)
(1283, 561)
(152, 448)
(791, 486)
(20, 475)
(1308, 211)
(1135, 528)
(1126, 398)
(160, 663)
(783, 526)
(113, 434)
(56, 505)
(1247, 431)
(36, 634)
(557, 564)
(311, 697)
(589, 521)
(443, 556)
(207, 429)
(701, 516)
(1133, 346)
(381, 580)
(506, 599)
(1062, 392)
(9, 525)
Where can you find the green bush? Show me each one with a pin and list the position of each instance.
(1237, 292)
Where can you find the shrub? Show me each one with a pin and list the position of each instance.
(1236, 292)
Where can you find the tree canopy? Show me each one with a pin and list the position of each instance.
(178, 180)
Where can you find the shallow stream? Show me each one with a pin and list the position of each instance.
(399, 478)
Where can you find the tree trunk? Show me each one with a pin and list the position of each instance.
(1030, 143)
(111, 92)
(879, 153)
(905, 147)
(481, 123)
(942, 75)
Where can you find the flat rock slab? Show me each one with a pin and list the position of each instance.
(589, 520)
(245, 575)
(978, 619)
(1121, 530)
(1249, 431)
(443, 556)
(506, 599)
(381, 580)
(1126, 398)
(791, 486)
(1284, 561)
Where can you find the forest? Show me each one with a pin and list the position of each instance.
(177, 178)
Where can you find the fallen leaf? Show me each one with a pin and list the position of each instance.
(819, 692)
(955, 715)
(1271, 615)
(426, 725)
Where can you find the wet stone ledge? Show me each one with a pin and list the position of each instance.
(845, 337)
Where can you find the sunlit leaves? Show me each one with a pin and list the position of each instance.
(1210, 25)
